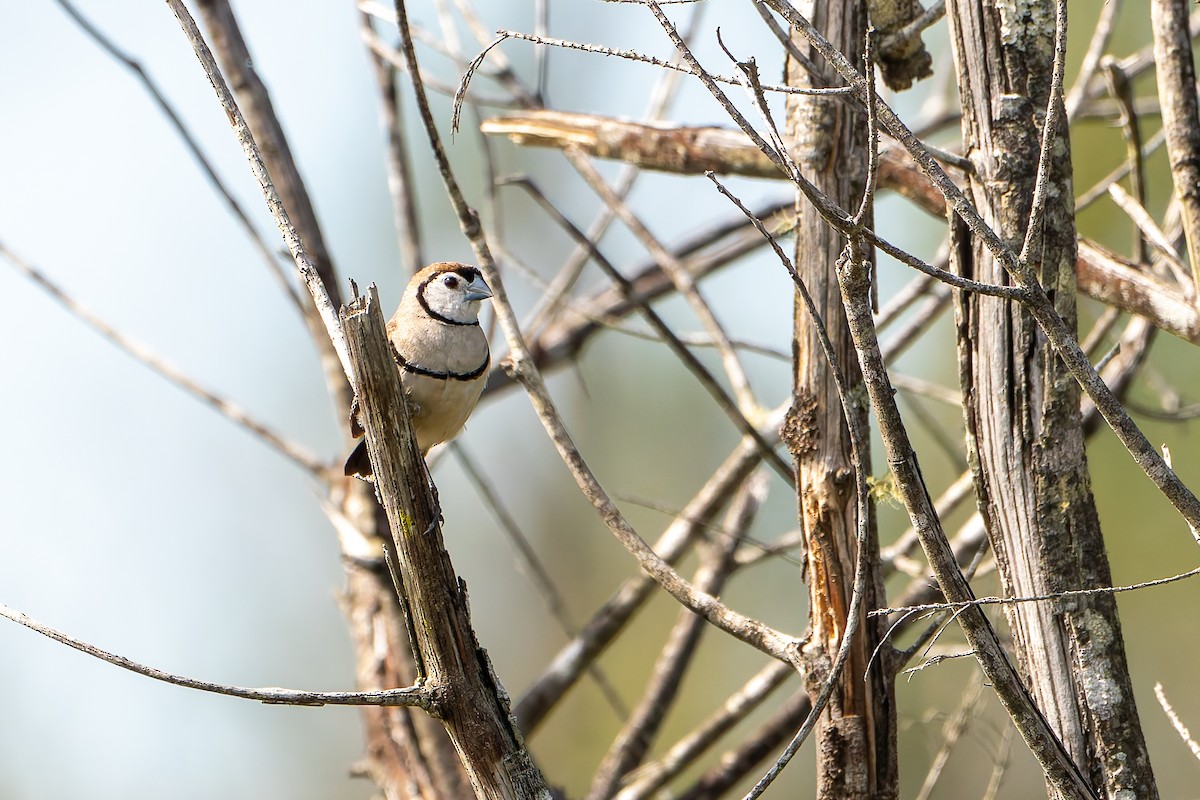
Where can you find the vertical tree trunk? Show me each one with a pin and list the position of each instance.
(1025, 440)
(856, 736)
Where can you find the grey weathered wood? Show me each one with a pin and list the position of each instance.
(910, 484)
(1176, 74)
(1025, 435)
(474, 705)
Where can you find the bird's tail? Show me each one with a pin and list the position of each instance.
(359, 463)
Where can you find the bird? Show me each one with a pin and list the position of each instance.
(441, 352)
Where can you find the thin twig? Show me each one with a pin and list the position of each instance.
(566, 667)
(583, 316)
(1152, 235)
(539, 574)
(447, 26)
(395, 58)
(631, 55)
(923, 318)
(748, 543)
(425, 696)
(733, 766)
(727, 404)
(1097, 47)
(650, 777)
(1050, 133)
(1000, 765)
(715, 245)
(630, 745)
(506, 75)
(900, 301)
(193, 146)
(866, 207)
(995, 601)
(1100, 189)
(952, 731)
(1176, 79)
(1176, 722)
(547, 311)
(399, 172)
(755, 550)
(790, 47)
(684, 284)
(143, 354)
(1123, 94)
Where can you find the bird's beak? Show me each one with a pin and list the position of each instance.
(478, 290)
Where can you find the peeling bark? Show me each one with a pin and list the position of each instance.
(1025, 437)
(856, 734)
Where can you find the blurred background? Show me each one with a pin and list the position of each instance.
(139, 520)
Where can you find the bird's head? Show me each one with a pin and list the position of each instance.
(451, 292)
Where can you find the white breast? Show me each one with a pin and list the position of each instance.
(443, 406)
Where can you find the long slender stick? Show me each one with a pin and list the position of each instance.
(193, 146)
(399, 172)
(416, 696)
(140, 352)
(565, 668)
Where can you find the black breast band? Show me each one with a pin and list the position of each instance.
(416, 369)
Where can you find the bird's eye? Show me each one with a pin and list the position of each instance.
(451, 281)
